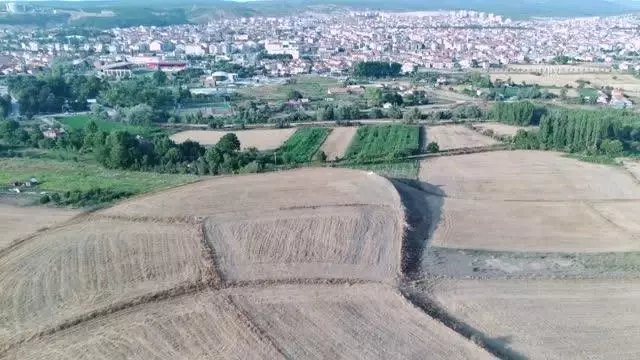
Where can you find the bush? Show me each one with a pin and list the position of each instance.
(320, 156)
(433, 147)
(45, 199)
(612, 148)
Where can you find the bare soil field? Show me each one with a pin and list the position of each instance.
(87, 266)
(633, 167)
(17, 222)
(262, 139)
(456, 137)
(549, 319)
(627, 82)
(537, 226)
(354, 322)
(337, 142)
(502, 129)
(526, 176)
(303, 188)
(356, 242)
(200, 326)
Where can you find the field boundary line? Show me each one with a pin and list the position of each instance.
(174, 292)
(241, 284)
(257, 330)
(432, 309)
(211, 253)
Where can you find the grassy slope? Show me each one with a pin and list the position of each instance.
(60, 176)
(303, 144)
(313, 87)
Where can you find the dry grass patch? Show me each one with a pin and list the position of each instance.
(356, 242)
(356, 322)
(262, 139)
(502, 129)
(526, 175)
(197, 326)
(535, 226)
(84, 267)
(311, 187)
(456, 137)
(338, 141)
(550, 319)
(17, 222)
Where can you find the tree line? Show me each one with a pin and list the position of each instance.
(593, 132)
(376, 69)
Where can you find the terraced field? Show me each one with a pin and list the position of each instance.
(297, 264)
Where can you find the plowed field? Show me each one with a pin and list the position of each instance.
(262, 139)
(84, 267)
(550, 319)
(338, 141)
(456, 137)
(351, 323)
(17, 222)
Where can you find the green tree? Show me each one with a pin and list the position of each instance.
(293, 94)
(228, 143)
(159, 77)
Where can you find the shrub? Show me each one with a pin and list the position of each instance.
(433, 147)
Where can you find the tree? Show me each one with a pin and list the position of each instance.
(228, 143)
(433, 147)
(394, 112)
(412, 115)
(7, 128)
(320, 156)
(141, 114)
(159, 77)
(373, 95)
(294, 95)
(91, 127)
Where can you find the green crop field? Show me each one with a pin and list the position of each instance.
(61, 176)
(303, 144)
(80, 121)
(373, 142)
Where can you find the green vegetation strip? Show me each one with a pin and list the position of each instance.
(80, 122)
(398, 170)
(384, 141)
(62, 176)
(303, 144)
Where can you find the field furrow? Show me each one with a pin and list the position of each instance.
(356, 322)
(199, 326)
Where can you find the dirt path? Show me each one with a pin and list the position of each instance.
(338, 141)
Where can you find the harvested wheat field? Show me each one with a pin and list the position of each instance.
(356, 242)
(303, 188)
(17, 222)
(84, 267)
(526, 175)
(350, 322)
(451, 137)
(262, 139)
(201, 326)
(550, 319)
(536, 226)
(338, 141)
(626, 82)
(502, 129)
